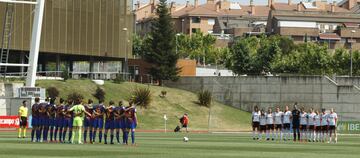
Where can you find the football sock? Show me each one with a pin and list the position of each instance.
(73, 136)
(90, 134)
(132, 137)
(94, 136)
(267, 135)
(55, 133)
(60, 134)
(64, 135)
(253, 134)
(85, 134)
(51, 133)
(70, 135)
(24, 132)
(32, 134)
(118, 136)
(126, 137)
(19, 132)
(100, 136)
(112, 138)
(123, 137)
(105, 137)
(79, 130)
(44, 134)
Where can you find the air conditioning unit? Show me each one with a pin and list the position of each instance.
(30, 92)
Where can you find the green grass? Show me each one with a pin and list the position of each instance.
(170, 145)
(176, 103)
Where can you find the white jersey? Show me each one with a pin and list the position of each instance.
(332, 117)
(324, 119)
(262, 120)
(277, 117)
(317, 120)
(269, 119)
(255, 116)
(287, 116)
(303, 118)
(311, 119)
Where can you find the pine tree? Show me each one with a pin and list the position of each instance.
(161, 46)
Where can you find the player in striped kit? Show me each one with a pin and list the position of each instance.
(324, 125)
(303, 124)
(317, 126)
(311, 125)
(278, 122)
(255, 122)
(269, 124)
(332, 119)
(286, 123)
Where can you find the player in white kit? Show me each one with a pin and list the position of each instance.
(303, 124)
(278, 122)
(262, 119)
(255, 122)
(286, 123)
(332, 119)
(311, 125)
(317, 126)
(269, 125)
(324, 125)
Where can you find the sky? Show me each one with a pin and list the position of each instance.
(263, 2)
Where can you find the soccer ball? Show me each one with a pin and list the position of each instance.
(186, 139)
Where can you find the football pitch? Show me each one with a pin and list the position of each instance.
(171, 145)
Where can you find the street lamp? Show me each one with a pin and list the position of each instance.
(126, 52)
(351, 58)
(176, 39)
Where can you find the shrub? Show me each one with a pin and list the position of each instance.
(65, 74)
(141, 97)
(52, 92)
(204, 98)
(163, 94)
(99, 94)
(119, 79)
(74, 96)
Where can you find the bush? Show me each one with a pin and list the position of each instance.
(204, 98)
(52, 92)
(74, 96)
(99, 94)
(141, 97)
(119, 79)
(163, 94)
(65, 75)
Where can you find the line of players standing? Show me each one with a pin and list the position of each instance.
(311, 126)
(47, 117)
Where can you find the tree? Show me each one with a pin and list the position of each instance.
(161, 46)
(99, 94)
(52, 92)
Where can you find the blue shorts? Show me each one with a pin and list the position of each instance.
(68, 123)
(98, 123)
(131, 124)
(88, 122)
(59, 122)
(35, 121)
(109, 124)
(43, 121)
(52, 122)
(119, 123)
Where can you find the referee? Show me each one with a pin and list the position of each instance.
(23, 113)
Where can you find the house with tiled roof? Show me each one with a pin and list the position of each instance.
(316, 21)
(334, 23)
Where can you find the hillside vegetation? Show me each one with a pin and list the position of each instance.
(176, 103)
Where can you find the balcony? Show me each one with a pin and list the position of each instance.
(349, 32)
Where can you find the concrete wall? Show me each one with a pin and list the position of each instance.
(247, 91)
(8, 104)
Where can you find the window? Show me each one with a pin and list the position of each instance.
(194, 30)
(211, 21)
(195, 19)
